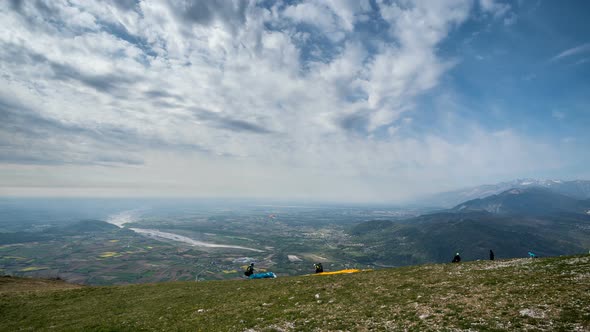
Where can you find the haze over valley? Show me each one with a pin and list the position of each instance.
(103, 242)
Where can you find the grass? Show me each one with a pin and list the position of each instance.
(548, 294)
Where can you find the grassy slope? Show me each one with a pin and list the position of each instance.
(428, 238)
(16, 285)
(542, 294)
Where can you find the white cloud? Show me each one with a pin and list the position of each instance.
(580, 49)
(494, 7)
(334, 18)
(314, 14)
(499, 10)
(221, 98)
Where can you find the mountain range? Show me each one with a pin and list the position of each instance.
(534, 201)
(579, 189)
(535, 218)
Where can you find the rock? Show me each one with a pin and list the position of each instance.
(532, 313)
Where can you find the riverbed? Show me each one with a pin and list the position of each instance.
(120, 219)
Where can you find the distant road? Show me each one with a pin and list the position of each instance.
(125, 217)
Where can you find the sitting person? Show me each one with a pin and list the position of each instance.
(457, 258)
(249, 270)
(318, 267)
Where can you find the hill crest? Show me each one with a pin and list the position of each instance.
(517, 294)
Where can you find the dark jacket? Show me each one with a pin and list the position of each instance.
(318, 268)
(249, 270)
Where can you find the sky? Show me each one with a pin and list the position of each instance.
(327, 100)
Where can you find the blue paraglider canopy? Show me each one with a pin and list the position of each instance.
(263, 275)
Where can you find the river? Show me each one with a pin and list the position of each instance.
(125, 217)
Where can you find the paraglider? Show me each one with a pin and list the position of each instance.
(347, 271)
(261, 275)
(318, 267)
(249, 270)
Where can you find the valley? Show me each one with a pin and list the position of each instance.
(155, 241)
(198, 244)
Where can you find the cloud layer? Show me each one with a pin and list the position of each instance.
(241, 98)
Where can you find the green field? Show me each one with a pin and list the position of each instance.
(98, 253)
(94, 252)
(547, 294)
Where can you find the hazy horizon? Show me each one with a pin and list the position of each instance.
(311, 202)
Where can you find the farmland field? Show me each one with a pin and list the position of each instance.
(106, 250)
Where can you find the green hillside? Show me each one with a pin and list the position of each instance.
(547, 294)
(435, 237)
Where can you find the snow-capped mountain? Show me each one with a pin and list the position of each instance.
(532, 200)
(578, 189)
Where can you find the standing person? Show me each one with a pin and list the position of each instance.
(318, 267)
(457, 258)
(491, 255)
(249, 270)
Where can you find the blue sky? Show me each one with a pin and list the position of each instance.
(516, 68)
(320, 100)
